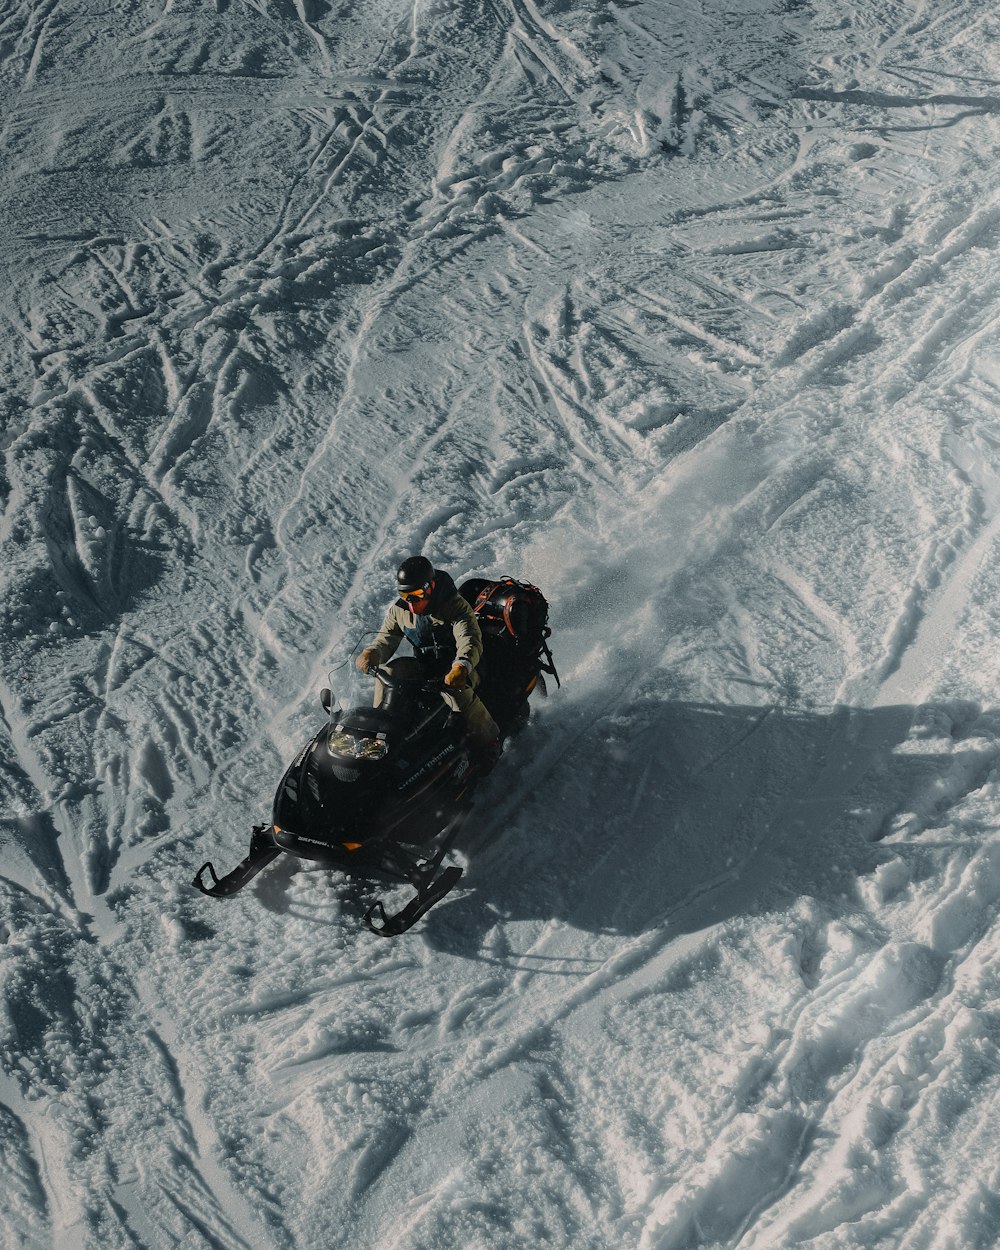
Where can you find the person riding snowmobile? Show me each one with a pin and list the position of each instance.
(443, 631)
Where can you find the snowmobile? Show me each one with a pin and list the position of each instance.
(386, 790)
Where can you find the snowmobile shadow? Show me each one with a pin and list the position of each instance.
(273, 891)
(685, 814)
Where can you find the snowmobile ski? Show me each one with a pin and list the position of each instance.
(431, 887)
(433, 891)
(262, 851)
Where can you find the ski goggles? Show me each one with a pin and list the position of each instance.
(423, 592)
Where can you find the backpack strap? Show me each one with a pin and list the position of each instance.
(550, 667)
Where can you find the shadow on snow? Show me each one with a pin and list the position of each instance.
(684, 814)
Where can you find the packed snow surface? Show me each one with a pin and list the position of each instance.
(690, 314)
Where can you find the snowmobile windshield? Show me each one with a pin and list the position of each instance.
(352, 746)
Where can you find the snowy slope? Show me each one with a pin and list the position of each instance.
(687, 313)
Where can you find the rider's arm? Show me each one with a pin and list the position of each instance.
(468, 636)
(389, 636)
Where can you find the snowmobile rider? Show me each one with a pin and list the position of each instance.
(442, 629)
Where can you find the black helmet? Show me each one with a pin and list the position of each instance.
(414, 573)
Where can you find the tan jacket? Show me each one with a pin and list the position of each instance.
(454, 612)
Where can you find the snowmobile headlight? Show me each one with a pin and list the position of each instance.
(371, 749)
(358, 748)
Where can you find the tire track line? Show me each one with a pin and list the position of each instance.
(239, 1223)
(41, 26)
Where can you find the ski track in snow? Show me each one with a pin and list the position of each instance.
(686, 314)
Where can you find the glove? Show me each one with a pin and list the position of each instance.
(368, 660)
(458, 677)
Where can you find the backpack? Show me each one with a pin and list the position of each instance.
(513, 617)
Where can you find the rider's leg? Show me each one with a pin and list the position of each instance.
(479, 724)
(484, 736)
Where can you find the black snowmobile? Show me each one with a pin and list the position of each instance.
(386, 791)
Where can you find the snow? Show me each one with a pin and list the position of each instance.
(688, 314)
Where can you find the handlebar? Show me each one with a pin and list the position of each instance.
(392, 681)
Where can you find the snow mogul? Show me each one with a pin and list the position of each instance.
(384, 791)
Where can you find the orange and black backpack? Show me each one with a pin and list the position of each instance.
(513, 617)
